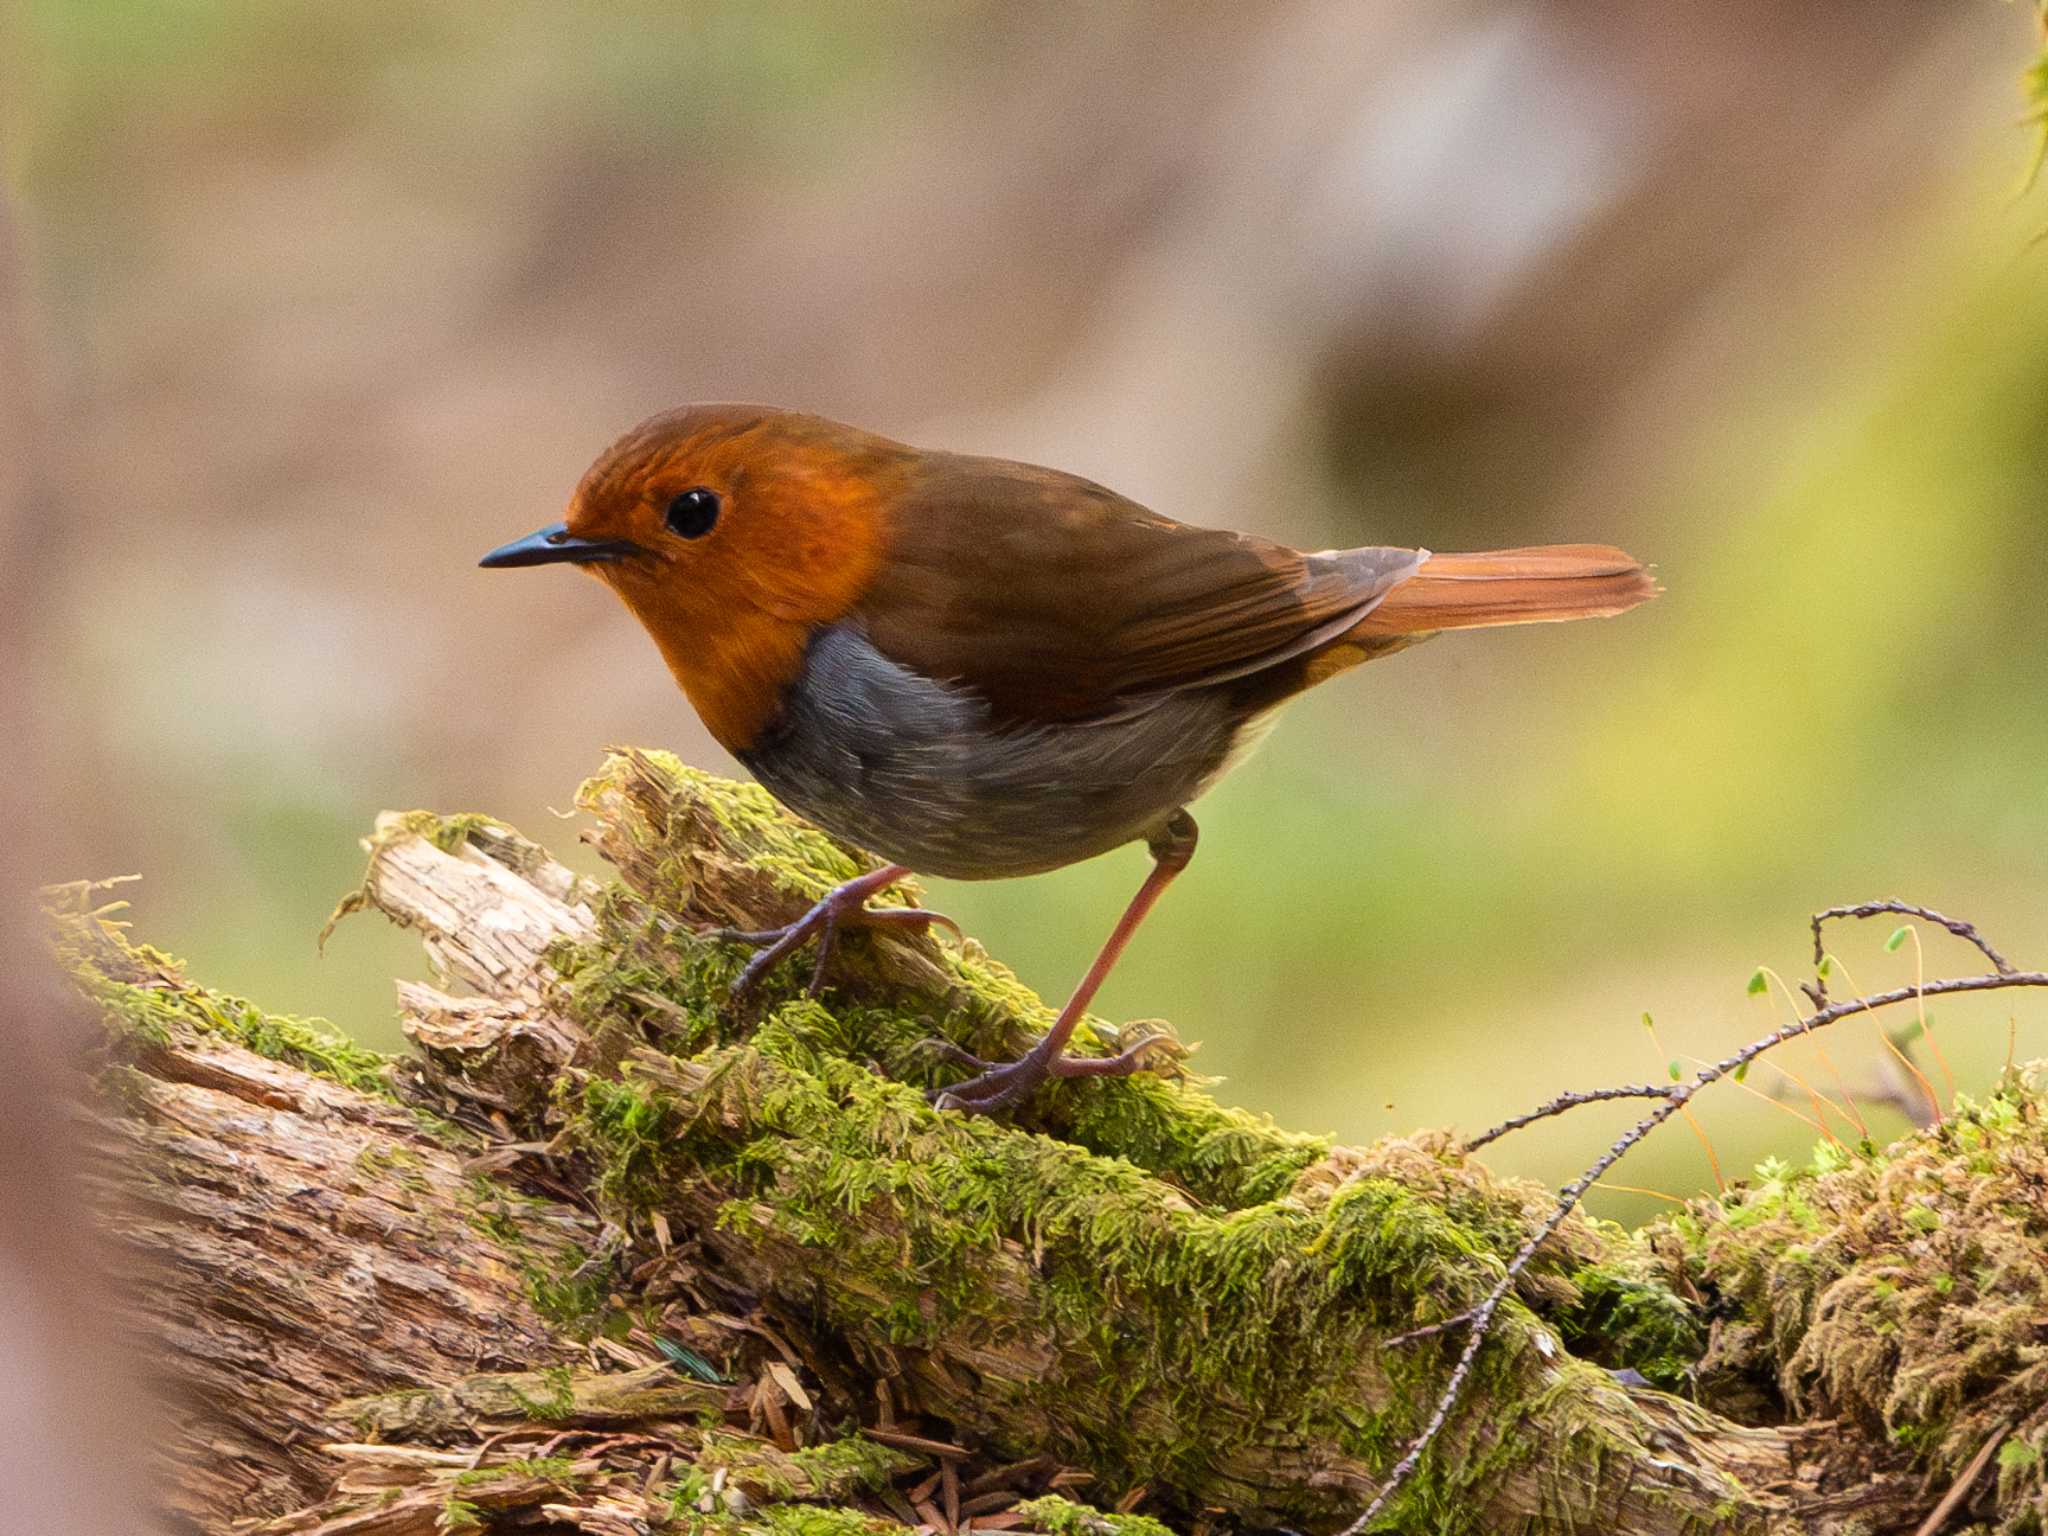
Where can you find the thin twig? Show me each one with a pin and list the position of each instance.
(1817, 989)
(1565, 1101)
(1478, 1319)
(1960, 1489)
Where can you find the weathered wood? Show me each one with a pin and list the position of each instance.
(298, 1242)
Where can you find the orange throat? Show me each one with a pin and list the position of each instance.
(735, 670)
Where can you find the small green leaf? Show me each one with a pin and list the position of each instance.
(1648, 1022)
(1898, 937)
(1742, 1071)
(1675, 1070)
(1759, 983)
(1827, 967)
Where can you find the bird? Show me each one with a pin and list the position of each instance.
(983, 669)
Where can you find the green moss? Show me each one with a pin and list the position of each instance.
(775, 1484)
(1626, 1318)
(838, 1469)
(572, 1294)
(915, 1227)
(560, 1470)
(625, 1122)
(1063, 1517)
(851, 1465)
(559, 1404)
(1897, 1290)
(145, 996)
(820, 1520)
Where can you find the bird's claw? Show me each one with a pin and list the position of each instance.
(844, 906)
(1004, 1085)
(994, 1090)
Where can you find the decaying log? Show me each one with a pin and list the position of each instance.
(607, 1253)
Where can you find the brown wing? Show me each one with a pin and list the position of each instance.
(1057, 599)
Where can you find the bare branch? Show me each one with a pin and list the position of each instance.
(1967, 932)
(1572, 1100)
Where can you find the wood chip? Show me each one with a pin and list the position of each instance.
(400, 1456)
(988, 1503)
(1017, 1474)
(908, 1442)
(899, 1506)
(748, 1325)
(768, 1398)
(622, 1355)
(1008, 1521)
(786, 1379)
(949, 1493)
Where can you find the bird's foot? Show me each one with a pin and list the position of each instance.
(1003, 1085)
(844, 906)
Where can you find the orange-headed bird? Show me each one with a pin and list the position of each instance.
(982, 668)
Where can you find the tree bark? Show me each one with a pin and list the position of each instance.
(606, 1253)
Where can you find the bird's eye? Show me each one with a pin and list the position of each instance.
(692, 514)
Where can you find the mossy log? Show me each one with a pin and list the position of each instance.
(607, 1253)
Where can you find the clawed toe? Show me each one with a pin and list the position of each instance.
(1004, 1085)
(844, 906)
(777, 943)
(997, 1089)
(750, 936)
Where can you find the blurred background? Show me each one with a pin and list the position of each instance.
(319, 303)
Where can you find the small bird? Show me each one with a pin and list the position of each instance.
(983, 669)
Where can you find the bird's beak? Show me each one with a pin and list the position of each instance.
(546, 546)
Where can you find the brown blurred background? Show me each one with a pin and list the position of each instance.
(322, 302)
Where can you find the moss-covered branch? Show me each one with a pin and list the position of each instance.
(715, 1265)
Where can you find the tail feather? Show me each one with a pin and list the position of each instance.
(1510, 586)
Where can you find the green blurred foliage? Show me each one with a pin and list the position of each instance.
(1451, 884)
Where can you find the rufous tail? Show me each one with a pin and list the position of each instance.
(1511, 586)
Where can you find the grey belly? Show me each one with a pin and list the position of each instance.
(913, 768)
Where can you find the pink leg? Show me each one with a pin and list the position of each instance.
(1001, 1087)
(844, 906)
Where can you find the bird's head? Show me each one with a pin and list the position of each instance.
(731, 532)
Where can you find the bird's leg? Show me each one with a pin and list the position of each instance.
(1001, 1087)
(844, 906)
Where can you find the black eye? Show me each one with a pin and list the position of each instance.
(692, 514)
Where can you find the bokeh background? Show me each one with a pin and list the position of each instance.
(318, 303)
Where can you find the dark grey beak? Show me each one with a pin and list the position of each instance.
(549, 545)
